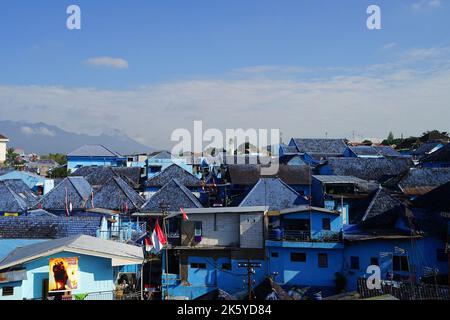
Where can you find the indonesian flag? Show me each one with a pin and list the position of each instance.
(158, 238)
(185, 217)
(148, 244)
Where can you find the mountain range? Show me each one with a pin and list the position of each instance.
(42, 138)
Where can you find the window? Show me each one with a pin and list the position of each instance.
(441, 256)
(298, 257)
(155, 169)
(323, 260)
(274, 254)
(354, 263)
(374, 261)
(8, 291)
(198, 229)
(400, 263)
(196, 265)
(326, 224)
(226, 266)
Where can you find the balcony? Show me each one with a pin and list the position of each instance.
(304, 236)
(126, 231)
(304, 239)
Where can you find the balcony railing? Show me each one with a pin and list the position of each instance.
(128, 231)
(304, 236)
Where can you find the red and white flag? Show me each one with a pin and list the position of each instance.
(148, 244)
(185, 217)
(158, 238)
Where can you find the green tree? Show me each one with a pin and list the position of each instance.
(390, 139)
(59, 172)
(12, 158)
(58, 157)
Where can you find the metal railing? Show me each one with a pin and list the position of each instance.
(405, 290)
(304, 236)
(101, 295)
(125, 232)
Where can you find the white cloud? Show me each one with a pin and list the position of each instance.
(27, 130)
(389, 45)
(426, 4)
(373, 100)
(43, 131)
(46, 132)
(116, 63)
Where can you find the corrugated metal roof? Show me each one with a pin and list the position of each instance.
(79, 243)
(338, 179)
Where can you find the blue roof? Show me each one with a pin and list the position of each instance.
(30, 179)
(94, 150)
(115, 194)
(10, 201)
(8, 245)
(79, 192)
(175, 194)
(47, 227)
(320, 146)
(173, 171)
(273, 193)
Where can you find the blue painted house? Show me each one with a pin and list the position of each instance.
(173, 171)
(38, 184)
(274, 194)
(405, 244)
(212, 244)
(333, 192)
(437, 159)
(25, 272)
(304, 246)
(94, 155)
(158, 161)
(315, 151)
(370, 169)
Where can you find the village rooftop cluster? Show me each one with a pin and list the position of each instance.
(106, 226)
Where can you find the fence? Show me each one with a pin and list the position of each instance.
(405, 290)
(304, 236)
(101, 295)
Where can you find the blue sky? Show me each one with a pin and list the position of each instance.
(181, 61)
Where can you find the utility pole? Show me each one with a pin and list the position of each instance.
(164, 209)
(250, 271)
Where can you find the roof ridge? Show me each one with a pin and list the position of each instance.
(371, 204)
(21, 202)
(117, 180)
(187, 192)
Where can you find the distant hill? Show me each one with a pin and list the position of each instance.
(42, 138)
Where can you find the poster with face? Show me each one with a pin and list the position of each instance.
(63, 274)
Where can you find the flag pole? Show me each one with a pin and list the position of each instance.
(164, 208)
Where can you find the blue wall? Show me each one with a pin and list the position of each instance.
(205, 280)
(421, 254)
(305, 273)
(95, 274)
(74, 163)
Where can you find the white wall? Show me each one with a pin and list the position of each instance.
(2, 151)
(251, 230)
(226, 232)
